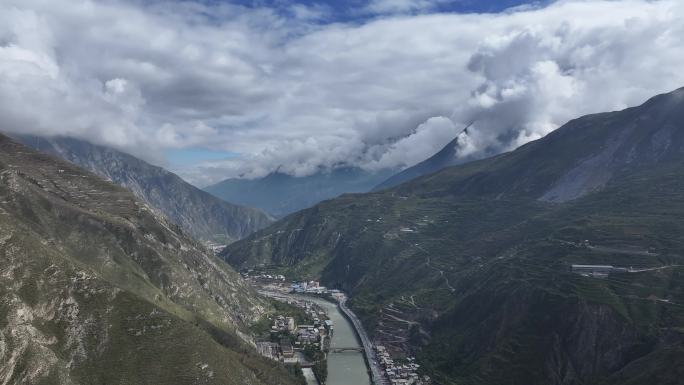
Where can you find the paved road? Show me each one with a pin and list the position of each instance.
(441, 274)
(309, 376)
(618, 250)
(631, 270)
(376, 372)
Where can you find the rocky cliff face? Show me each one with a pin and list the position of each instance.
(197, 212)
(470, 267)
(97, 288)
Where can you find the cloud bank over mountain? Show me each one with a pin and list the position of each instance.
(289, 92)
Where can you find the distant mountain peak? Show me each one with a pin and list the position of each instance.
(280, 194)
(443, 158)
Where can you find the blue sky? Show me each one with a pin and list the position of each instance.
(351, 10)
(183, 157)
(344, 6)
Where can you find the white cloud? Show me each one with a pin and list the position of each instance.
(400, 6)
(312, 12)
(287, 92)
(435, 133)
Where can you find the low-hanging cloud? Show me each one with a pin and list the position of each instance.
(290, 93)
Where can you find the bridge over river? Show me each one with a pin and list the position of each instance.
(343, 350)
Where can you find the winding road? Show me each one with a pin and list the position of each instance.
(428, 264)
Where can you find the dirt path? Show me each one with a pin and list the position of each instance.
(428, 264)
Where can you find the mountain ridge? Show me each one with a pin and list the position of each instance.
(443, 158)
(98, 288)
(476, 259)
(646, 139)
(280, 194)
(446, 157)
(196, 211)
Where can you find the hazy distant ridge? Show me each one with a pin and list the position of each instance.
(196, 211)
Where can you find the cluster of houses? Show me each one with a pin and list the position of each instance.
(309, 335)
(215, 248)
(269, 350)
(292, 338)
(597, 271)
(263, 277)
(311, 287)
(319, 332)
(311, 310)
(283, 324)
(400, 374)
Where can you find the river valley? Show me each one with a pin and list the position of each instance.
(346, 368)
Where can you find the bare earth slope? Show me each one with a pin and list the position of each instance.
(97, 289)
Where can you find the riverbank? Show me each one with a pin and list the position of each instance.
(381, 366)
(347, 365)
(371, 361)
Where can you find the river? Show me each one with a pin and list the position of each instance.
(348, 368)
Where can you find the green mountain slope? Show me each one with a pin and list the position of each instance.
(97, 289)
(471, 267)
(197, 212)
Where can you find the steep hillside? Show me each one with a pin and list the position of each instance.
(631, 137)
(97, 289)
(196, 211)
(281, 194)
(583, 156)
(470, 267)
